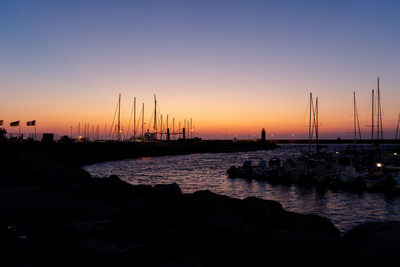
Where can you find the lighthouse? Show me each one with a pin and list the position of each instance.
(263, 135)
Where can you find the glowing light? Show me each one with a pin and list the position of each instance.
(379, 165)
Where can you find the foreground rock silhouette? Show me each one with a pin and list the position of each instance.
(56, 215)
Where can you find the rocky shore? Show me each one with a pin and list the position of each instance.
(56, 215)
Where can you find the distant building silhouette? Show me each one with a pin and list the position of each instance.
(263, 134)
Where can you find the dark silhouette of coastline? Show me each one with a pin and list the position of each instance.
(83, 153)
(56, 214)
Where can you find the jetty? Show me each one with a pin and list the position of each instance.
(83, 153)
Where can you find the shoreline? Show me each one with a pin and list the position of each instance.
(85, 153)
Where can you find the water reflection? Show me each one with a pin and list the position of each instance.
(207, 171)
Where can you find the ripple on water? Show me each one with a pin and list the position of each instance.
(207, 172)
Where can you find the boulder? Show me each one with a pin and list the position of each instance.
(168, 189)
(381, 240)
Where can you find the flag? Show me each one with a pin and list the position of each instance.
(31, 123)
(14, 123)
(1, 122)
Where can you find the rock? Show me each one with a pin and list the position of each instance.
(168, 189)
(142, 190)
(381, 240)
(262, 206)
(70, 216)
(310, 223)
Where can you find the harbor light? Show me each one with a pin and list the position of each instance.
(337, 152)
(395, 153)
(379, 165)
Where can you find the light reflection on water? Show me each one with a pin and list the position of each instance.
(207, 171)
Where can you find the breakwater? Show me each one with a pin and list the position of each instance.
(83, 153)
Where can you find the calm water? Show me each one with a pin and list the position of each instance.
(207, 171)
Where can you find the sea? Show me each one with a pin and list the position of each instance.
(207, 171)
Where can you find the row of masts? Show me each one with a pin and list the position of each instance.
(376, 106)
(313, 123)
(375, 125)
(379, 126)
(161, 130)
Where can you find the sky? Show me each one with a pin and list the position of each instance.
(234, 67)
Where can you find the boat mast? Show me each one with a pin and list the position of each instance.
(191, 128)
(372, 117)
(309, 121)
(380, 111)
(358, 120)
(379, 126)
(378, 107)
(173, 128)
(161, 128)
(142, 121)
(119, 118)
(316, 123)
(354, 118)
(134, 118)
(309, 126)
(155, 117)
(84, 135)
(397, 128)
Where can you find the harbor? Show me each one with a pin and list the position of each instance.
(72, 214)
(199, 133)
(346, 208)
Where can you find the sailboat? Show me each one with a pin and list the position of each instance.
(117, 129)
(350, 168)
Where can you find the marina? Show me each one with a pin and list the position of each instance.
(372, 167)
(199, 133)
(208, 172)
